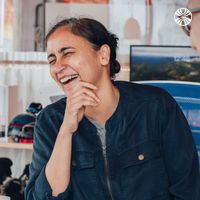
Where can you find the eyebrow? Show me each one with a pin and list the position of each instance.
(60, 51)
(50, 55)
(64, 48)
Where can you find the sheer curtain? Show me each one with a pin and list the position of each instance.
(29, 72)
(24, 78)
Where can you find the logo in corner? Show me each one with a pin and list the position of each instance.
(183, 17)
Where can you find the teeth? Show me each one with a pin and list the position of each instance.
(68, 78)
(64, 79)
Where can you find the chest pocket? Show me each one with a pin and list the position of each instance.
(139, 153)
(82, 160)
(142, 167)
(84, 176)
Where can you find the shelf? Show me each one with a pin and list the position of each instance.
(16, 146)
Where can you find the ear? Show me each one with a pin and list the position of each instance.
(104, 54)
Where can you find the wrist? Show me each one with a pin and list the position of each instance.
(192, 4)
(195, 10)
(65, 131)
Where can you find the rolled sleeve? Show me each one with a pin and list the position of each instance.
(43, 189)
(38, 187)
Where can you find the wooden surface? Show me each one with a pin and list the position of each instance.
(16, 146)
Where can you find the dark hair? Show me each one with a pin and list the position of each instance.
(95, 33)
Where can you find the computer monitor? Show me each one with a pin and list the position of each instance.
(164, 63)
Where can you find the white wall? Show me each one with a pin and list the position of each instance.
(24, 21)
(57, 11)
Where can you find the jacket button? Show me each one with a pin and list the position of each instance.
(141, 157)
(74, 163)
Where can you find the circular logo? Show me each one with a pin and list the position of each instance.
(183, 16)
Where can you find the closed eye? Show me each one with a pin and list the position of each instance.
(68, 53)
(51, 61)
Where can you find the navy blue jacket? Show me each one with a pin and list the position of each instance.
(150, 153)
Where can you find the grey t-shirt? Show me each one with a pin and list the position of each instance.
(101, 131)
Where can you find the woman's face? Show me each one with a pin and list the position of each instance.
(71, 59)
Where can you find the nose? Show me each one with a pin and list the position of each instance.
(59, 66)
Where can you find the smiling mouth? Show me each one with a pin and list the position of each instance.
(68, 79)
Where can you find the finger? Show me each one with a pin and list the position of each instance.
(81, 85)
(78, 105)
(88, 85)
(82, 97)
(86, 91)
(82, 103)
